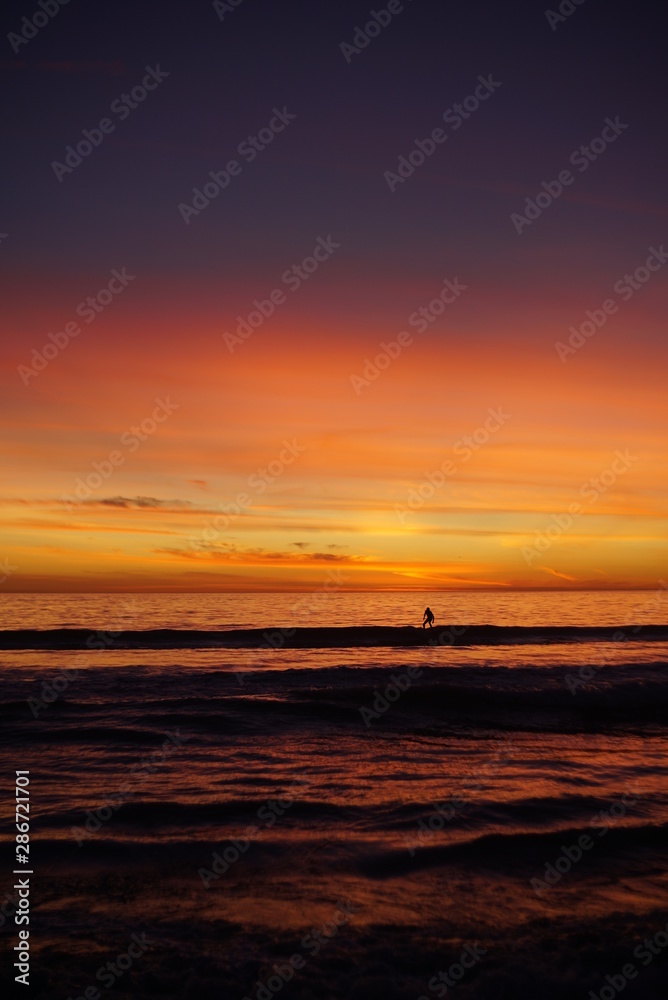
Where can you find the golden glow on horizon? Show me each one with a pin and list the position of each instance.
(336, 496)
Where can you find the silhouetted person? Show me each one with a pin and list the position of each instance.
(428, 617)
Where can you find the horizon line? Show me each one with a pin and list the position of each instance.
(350, 590)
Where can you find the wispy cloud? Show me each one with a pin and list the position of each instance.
(228, 552)
(555, 572)
(139, 503)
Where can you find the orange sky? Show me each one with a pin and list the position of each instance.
(339, 499)
(376, 481)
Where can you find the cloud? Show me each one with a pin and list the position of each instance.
(301, 545)
(93, 527)
(140, 503)
(555, 572)
(228, 552)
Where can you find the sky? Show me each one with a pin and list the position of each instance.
(294, 290)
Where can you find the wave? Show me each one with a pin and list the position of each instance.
(517, 848)
(524, 853)
(324, 638)
(124, 705)
(536, 814)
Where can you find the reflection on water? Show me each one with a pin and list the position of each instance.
(328, 606)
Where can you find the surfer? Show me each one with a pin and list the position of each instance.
(428, 617)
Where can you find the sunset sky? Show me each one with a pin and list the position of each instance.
(552, 436)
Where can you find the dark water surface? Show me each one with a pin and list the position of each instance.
(379, 815)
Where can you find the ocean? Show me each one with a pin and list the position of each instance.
(484, 820)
